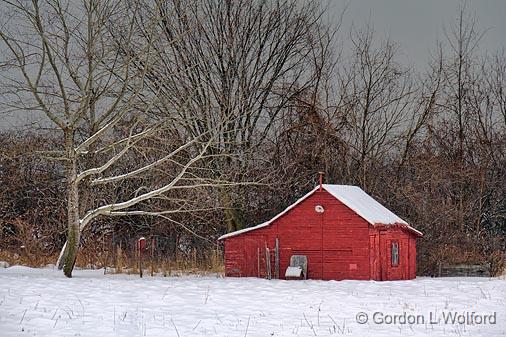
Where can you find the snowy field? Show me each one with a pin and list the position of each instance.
(42, 302)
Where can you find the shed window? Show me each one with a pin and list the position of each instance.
(395, 254)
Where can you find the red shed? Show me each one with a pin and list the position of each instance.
(342, 231)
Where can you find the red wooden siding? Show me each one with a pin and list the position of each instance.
(339, 244)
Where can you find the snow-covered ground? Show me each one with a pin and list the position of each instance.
(42, 302)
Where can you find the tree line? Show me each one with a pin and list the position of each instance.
(188, 119)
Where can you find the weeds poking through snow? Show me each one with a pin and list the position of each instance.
(23, 317)
(308, 323)
(175, 328)
(247, 326)
(207, 295)
(195, 327)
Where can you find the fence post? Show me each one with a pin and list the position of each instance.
(141, 245)
(153, 255)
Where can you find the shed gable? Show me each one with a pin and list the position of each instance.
(353, 197)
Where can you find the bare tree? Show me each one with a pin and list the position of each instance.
(423, 109)
(460, 74)
(241, 60)
(377, 95)
(72, 67)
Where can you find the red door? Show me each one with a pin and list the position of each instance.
(394, 257)
(255, 259)
(383, 253)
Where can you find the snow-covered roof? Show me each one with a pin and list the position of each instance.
(353, 197)
(363, 204)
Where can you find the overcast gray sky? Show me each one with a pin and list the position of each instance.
(417, 24)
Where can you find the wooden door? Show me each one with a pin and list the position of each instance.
(383, 256)
(254, 253)
(394, 257)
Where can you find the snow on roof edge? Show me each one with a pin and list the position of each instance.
(244, 230)
(389, 217)
(269, 221)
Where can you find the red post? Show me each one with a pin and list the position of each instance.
(141, 245)
(153, 255)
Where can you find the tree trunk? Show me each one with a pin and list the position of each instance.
(61, 258)
(73, 230)
(233, 216)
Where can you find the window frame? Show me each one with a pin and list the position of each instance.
(394, 262)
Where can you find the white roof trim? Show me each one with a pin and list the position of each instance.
(354, 198)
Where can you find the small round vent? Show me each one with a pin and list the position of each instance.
(319, 209)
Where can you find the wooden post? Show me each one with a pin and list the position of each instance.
(268, 263)
(141, 245)
(140, 262)
(276, 260)
(152, 256)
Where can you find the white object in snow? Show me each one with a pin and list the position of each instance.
(293, 272)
